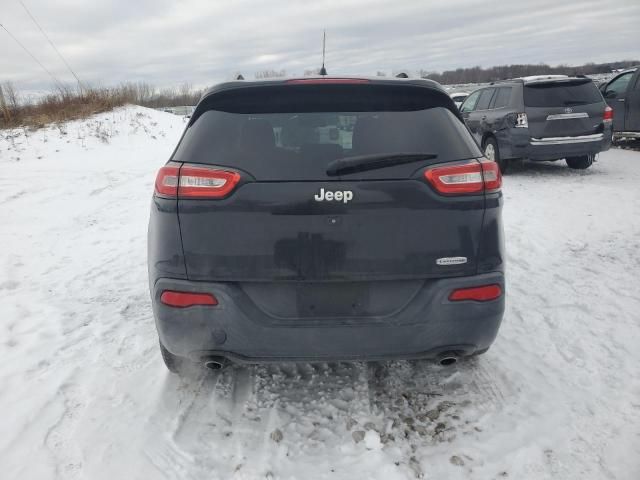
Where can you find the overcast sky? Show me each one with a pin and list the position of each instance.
(169, 42)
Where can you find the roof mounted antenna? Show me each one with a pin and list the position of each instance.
(323, 71)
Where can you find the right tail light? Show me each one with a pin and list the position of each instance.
(473, 177)
(608, 114)
(484, 293)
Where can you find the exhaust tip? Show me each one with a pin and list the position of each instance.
(447, 359)
(214, 364)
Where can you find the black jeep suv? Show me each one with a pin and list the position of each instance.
(540, 118)
(326, 219)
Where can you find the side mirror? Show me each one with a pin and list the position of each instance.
(609, 94)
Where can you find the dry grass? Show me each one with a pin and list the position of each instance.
(58, 107)
(72, 104)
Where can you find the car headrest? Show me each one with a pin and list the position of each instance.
(372, 135)
(258, 134)
(321, 151)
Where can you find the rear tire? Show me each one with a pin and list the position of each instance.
(580, 163)
(492, 152)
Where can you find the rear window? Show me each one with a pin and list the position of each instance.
(561, 94)
(299, 144)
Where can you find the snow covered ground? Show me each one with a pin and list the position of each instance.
(84, 393)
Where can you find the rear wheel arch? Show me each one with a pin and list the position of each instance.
(491, 139)
(487, 136)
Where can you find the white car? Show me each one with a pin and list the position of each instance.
(459, 97)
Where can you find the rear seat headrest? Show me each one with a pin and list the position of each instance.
(322, 151)
(373, 135)
(258, 134)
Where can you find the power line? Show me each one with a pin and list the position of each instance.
(50, 42)
(33, 57)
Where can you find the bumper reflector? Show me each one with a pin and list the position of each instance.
(187, 299)
(477, 294)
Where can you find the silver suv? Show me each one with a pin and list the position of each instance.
(540, 118)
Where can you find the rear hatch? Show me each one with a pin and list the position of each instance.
(563, 108)
(289, 233)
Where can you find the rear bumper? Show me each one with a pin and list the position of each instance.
(626, 134)
(554, 148)
(237, 329)
(537, 142)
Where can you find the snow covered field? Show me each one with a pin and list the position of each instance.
(84, 393)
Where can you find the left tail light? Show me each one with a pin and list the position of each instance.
(205, 182)
(175, 299)
(167, 181)
(190, 181)
(518, 120)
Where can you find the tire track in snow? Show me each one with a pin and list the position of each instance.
(59, 437)
(212, 415)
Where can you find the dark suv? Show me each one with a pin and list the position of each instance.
(622, 93)
(326, 219)
(540, 118)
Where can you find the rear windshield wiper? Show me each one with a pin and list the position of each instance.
(361, 163)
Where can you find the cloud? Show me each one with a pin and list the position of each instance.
(202, 42)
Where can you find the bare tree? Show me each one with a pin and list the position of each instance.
(144, 93)
(501, 72)
(185, 92)
(4, 107)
